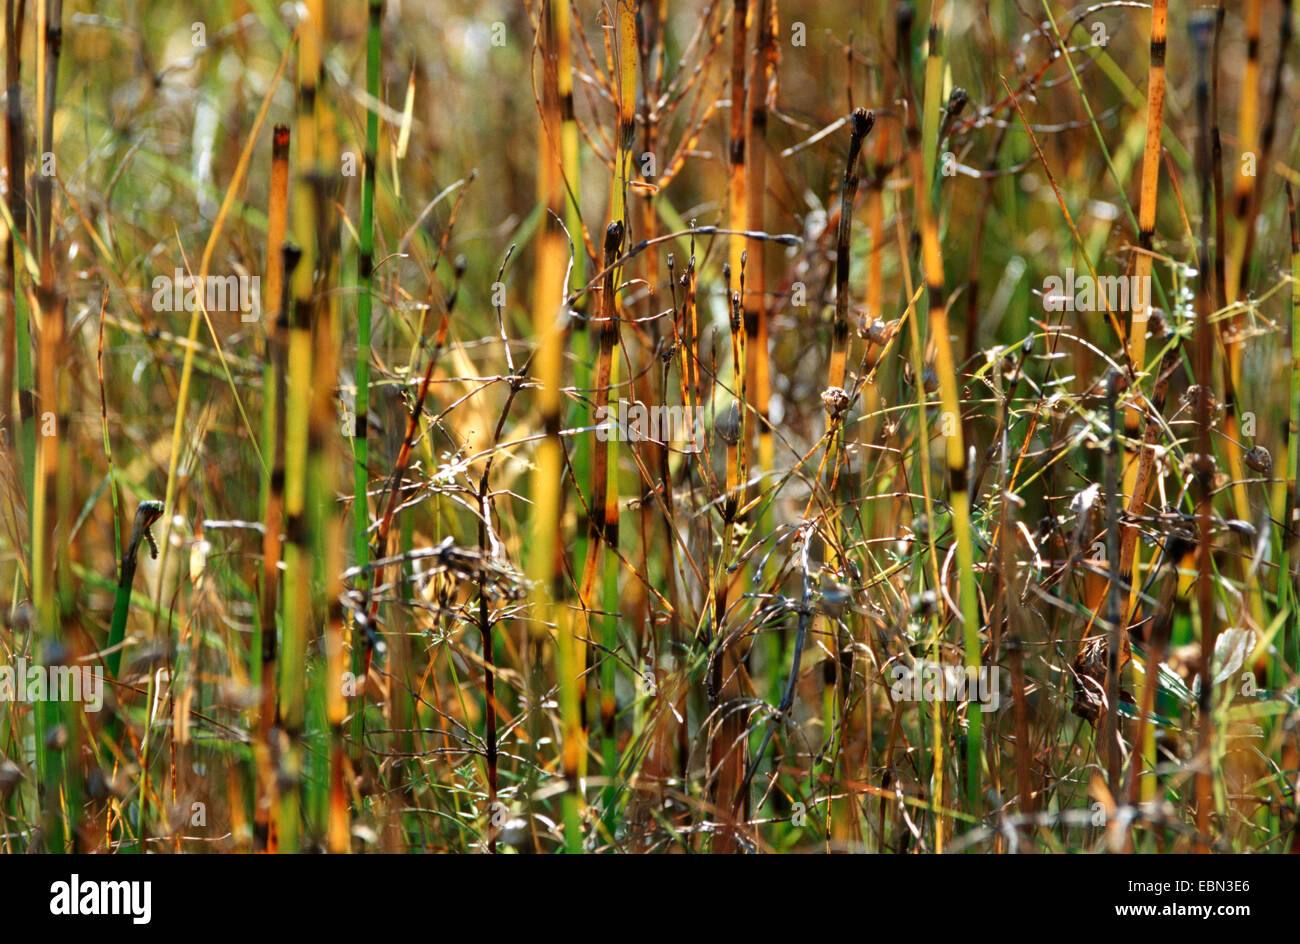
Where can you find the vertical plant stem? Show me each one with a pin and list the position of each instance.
(46, 511)
(1140, 314)
(8, 314)
(1264, 159)
(860, 124)
(1202, 26)
(329, 531)
(24, 425)
(1149, 192)
(950, 406)
(1115, 630)
(361, 415)
(297, 450)
(602, 526)
(1285, 581)
(625, 64)
(545, 556)
(365, 279)
(736, 193)
(1247, 145)
(280, 259)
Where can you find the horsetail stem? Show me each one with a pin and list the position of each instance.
(146, 513)
(949, 400)
(545, 558)
(1202, 26)
(299, 452)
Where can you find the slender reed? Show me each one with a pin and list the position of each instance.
(762, 97)
(545, 557)
(1244, 260)
(280, 258)
(860, 124)
(1286, 589)
(737, 212)
(297, 449)
(1202, 27)
(1248, 146)
(603, 513)
(361, 414)
(365, 280)
(949, 400)
(1140, 317)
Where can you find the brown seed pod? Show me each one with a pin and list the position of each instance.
(881, 332)
(836, 400)
(1259, 459)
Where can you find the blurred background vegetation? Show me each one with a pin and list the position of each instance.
(675, 724)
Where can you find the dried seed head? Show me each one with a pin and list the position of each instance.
(1199, 465)
(727, 425)
(957, 101)
(880, 333)
(613, 237)
(146, 513)
(1259, 459)
(836, 400)
(1192, 395)
(862, 122)
(860, 323)
(10, 776)
(1158, 322)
